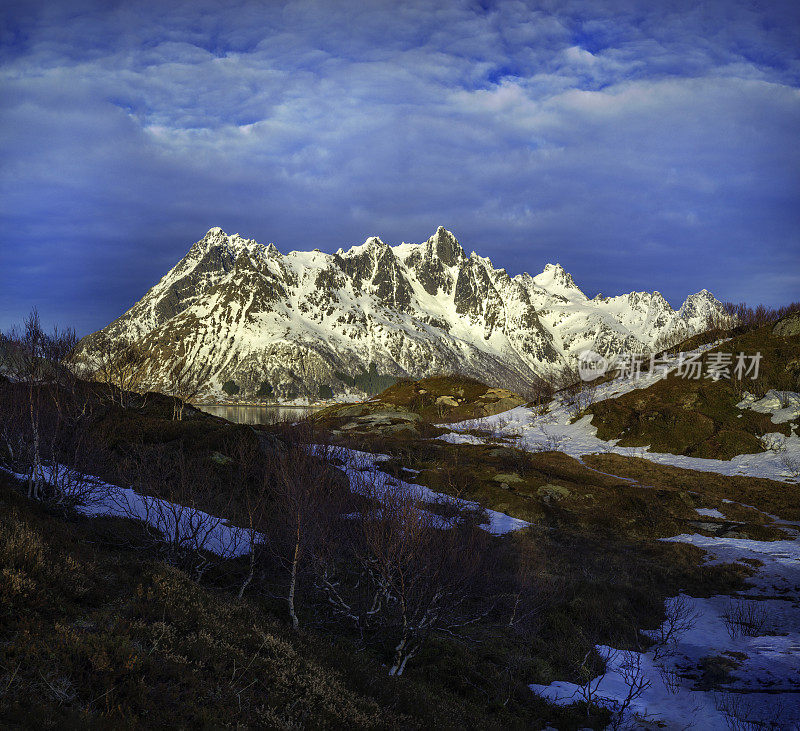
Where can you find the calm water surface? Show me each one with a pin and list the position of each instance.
(258, 414)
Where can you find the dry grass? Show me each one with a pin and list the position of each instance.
(556, 490)
(709, 488)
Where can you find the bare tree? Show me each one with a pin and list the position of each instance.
(741, 713)
(308, 495)
(680, 617)
(255, 502)
(539, 394)
(532, 594)
(579, 397)
(418, 571)
(636, 683)
(172, 495)
(37, 363)
(745, 617)
(118, 362)
(456, 479)
(184, 382)
(627, 664)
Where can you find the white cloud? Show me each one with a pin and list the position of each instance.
(573, 131)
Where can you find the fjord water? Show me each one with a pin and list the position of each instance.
(271, 414)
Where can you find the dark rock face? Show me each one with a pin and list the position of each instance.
(476, 296)
(432, 261)
(389, 283)
(446, 247)
(433, 276)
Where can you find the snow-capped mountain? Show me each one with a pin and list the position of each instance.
(288, 324)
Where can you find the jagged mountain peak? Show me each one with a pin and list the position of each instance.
(698, 306)
(702, 296)
(554, 278)
(234, 243)
(372, 243)
(444, 246)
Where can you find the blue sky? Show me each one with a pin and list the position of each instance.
(649, 145)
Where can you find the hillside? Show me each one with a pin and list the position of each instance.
(702, 417)
(307, 324)
(639, 464)
(112, 621)
(150, 579)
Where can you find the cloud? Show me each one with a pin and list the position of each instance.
(640, 148)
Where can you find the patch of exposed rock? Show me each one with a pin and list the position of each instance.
(787, 326)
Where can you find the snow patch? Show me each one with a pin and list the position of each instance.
(783, 405)
(709, 512)
(534, 431)
(357, 462)
(764, 682)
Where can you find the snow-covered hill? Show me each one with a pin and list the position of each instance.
(240, 311)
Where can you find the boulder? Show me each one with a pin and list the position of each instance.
(507, 477)
(501, 405)
(553, 493)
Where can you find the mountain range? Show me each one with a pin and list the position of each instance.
(308, 323)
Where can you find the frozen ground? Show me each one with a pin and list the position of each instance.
(783, 405)
(198, 530)
(761, 648)
(536, 432)
(756, 634)
(195, 529)
(360, 464)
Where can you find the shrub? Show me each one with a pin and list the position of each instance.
(230, 388)
(753, 317)
(745, 617)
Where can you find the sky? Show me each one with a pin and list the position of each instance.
(642, 145)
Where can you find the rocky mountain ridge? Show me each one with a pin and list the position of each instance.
(288, 325)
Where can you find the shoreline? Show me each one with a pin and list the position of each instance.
(263, 405)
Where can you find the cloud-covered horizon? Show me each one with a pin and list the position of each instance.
(641, 147)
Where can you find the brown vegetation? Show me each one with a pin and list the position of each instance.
(353, 601)
(699, 417)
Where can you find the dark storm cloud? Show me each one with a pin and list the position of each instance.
(642, 147)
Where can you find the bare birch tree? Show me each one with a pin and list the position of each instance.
(174, 497)
(183, 382)
(398, 572)
(308, 495)
(36, 362)
(118, 362)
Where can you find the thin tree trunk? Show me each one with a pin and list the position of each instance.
(513, 616)
(293, 582)
(250, 573)
(36, 471)
(400, 658)
(9, 447)
(402, 667)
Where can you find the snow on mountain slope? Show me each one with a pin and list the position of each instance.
(238, 310)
